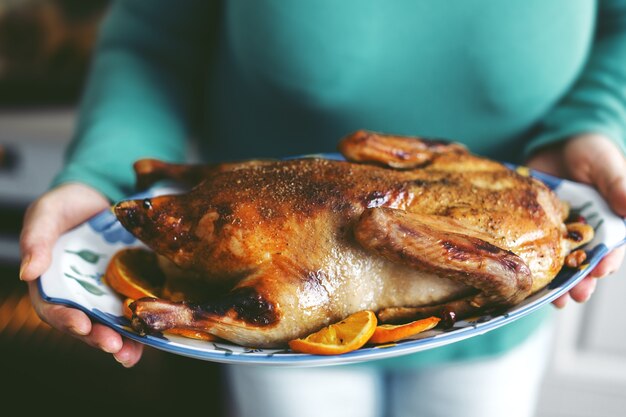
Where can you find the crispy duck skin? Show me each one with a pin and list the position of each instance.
(405, 224)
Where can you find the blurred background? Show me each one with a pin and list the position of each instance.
(45, 48)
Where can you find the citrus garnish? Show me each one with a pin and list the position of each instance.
(194, 334)
(126, 311)
(349, 334)
(386, 333)
(134, 273)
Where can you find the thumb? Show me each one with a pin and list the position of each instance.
(48, 217)
(596, 160)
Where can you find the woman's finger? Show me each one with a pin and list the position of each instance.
(129, 354)
(76, 323)
(610, 176)
(584, 289)
(609, 264)
(68, 320)
(562, 301)
(103, 338)
(38, 235)
(579, 293)
(48, 217)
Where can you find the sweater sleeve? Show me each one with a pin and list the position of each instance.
(141, 94)
(597, 101)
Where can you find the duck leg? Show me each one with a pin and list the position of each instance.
(242, 316)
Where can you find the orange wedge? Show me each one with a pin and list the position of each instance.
(347, 335)
(126, 311)
(386, 333)
(134, 273)
(194, 334)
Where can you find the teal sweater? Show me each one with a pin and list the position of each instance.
(272, 78)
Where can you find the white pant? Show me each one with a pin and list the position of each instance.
(506, 385)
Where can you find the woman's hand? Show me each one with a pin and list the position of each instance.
(592, 159)
(46, 219)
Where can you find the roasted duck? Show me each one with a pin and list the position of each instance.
(406, 227)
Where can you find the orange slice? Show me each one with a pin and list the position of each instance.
(134, 273)
(126, 311)
(386, 333)
(347, 335)
(194, 334)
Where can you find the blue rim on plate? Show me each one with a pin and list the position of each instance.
(80, 257)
